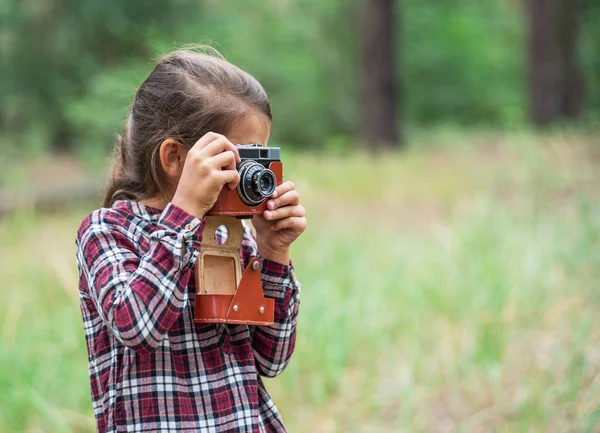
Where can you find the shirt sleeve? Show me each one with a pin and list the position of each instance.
(138, 298)
(274, 345)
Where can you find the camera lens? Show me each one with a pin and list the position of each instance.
(266, 182)
(256, 183)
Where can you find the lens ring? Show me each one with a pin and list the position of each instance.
(265, 183)
(248, 171)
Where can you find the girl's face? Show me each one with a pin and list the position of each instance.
(254, 127)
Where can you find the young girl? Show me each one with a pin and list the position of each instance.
(152, 369)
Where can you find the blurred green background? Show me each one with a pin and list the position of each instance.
(450, 269)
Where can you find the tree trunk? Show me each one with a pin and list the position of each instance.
(555, 80)
(379, 127)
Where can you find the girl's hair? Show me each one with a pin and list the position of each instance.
(188, 94)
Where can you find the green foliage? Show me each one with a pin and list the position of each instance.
(463, 62)
(69, 68)
(98, 115)
(53, 51)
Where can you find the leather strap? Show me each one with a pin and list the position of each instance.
(212, 308)
(249, 303)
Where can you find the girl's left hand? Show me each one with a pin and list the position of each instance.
(281, 224)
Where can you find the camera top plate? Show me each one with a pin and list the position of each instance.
(259, 152)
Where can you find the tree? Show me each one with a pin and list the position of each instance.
(555, 79)
(379, 126)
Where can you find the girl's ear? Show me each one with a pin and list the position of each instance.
(172, 157)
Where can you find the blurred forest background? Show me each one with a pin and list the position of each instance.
(69, 68)
(450, 277)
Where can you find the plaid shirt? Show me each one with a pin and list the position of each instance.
(152, 369)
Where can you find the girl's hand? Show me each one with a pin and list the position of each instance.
(281, 224)
(209, 165)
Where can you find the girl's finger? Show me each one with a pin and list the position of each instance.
(289, 198)
(298, 223)
(219, 145)
(224, 160)
(229, 177)
(206, 140)
(285, 212)
(283, 188)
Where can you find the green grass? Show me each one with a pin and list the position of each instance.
(448, 289)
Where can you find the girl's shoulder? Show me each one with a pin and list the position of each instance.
(125, 217)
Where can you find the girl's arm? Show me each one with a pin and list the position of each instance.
(138, 298)
(273, 345)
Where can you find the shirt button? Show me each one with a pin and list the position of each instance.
(189, 227)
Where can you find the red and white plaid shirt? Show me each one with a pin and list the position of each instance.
(152, 369)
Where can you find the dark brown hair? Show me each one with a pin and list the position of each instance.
(190, 92)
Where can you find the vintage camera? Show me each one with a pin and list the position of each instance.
(260, 172)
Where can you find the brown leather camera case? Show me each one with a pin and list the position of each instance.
(223, 293)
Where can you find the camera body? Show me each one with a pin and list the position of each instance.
(260, 172)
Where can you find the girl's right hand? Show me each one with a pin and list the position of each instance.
(209, 165)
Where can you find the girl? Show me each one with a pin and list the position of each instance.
(152, 369)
